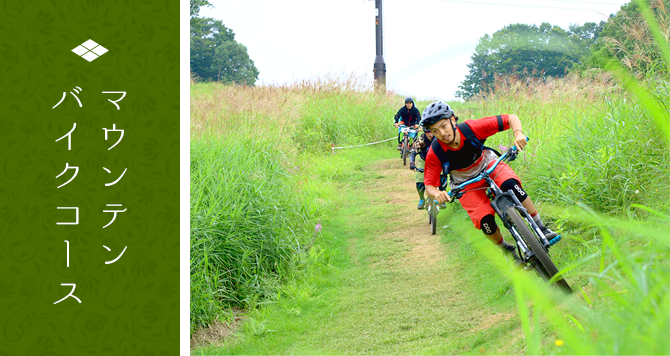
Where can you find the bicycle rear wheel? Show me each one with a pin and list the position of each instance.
(542, 263)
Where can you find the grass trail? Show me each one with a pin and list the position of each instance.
(388, 287)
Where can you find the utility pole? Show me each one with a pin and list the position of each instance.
(379, 66)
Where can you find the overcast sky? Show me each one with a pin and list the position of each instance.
(427, 43)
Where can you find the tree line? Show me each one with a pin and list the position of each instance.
(550, 51)
(215, 55)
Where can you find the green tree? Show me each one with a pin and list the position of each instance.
(626, 37)
(585, 37)
(543, 50)
(206, 35)
(214, 49)
(232, 63)
(196, 5)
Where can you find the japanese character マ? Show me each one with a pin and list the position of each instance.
(115, 102)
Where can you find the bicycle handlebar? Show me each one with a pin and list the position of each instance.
(512, 152)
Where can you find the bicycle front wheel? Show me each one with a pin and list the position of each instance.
(541, 261)
(429, 209)
(433, 217)
(405, 150)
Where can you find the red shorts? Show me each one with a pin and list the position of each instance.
(474, 199)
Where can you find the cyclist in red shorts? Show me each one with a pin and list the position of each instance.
(459, 151)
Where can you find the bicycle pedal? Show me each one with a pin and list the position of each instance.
(555, 240)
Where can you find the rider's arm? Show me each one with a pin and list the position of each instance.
(432, 172)
(489, 126)
(397, 116)
(519, 136)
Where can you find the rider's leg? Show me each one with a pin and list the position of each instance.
(399, 139)
(478, 207)
(421, 189)
(492, 232)
(508, 180)
(515, 187)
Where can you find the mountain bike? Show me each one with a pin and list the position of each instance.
(407, 140)
(532, 246)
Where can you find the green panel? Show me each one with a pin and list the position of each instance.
(130, 306)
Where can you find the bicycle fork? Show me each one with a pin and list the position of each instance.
(501, 202)
(519, 207)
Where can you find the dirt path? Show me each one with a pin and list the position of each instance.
(411, 224)
(414, 297)
(396, 290)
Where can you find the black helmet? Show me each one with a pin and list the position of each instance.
(409, 100)
(435, 112)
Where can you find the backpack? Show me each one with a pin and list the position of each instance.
(475, 150)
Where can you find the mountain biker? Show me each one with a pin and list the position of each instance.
(420, 148)
(464, 160)
(410, 117)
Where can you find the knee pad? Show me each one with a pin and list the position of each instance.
(420, 186)
(515, 187)
(488, 224)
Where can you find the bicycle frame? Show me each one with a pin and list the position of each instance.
(406, 130)
(503, 200)
(433, 207)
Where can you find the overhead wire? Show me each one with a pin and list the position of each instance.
(589, 2)
(530, 6)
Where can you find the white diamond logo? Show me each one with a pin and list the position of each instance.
(90, 50)
(80, 50)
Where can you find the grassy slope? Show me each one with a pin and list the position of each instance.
(624, 308)
(388, 287)
(249, 211)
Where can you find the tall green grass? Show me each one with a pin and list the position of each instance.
(599, 169)
(310, 115)
(346, 119)
(254, 210)
(245, 222)
(591, 142)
